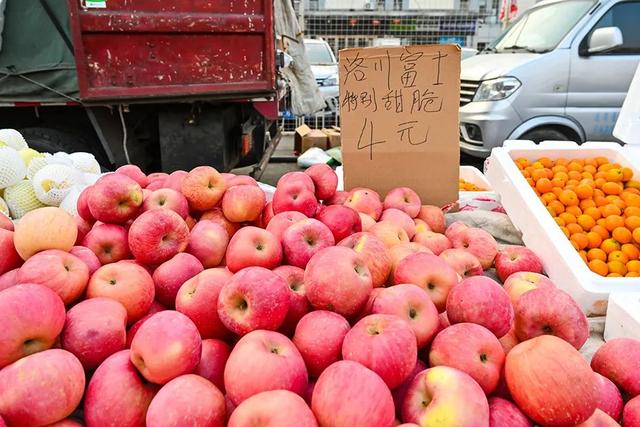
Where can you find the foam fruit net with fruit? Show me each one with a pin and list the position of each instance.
(596, 204)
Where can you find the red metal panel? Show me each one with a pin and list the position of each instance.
(159, 48)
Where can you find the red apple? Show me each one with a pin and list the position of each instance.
(203, 187)
(254, 298)
(297, 178)
(385, 344)
(318, 337)
(454, 229)
(263, 361)
(126, 282)
(471, 348)
(94, 330)
(242, 203)
(464, 263)
(58, 270)
(366, 201)
(208, 242)
(10, 258)
(403, 250)
(631, 413)
(324, 179)
(298, 304)
(117, 394)
(87, 256)
(481, 300)
(135, 173)
(166, 346)
(157, 181)
(5, 222)
(253, 246)
(109, 242)
(479, 243)
(82, 205)
(599, 419)
(400, 218)
(619, 360)
(532, 371)
(212, 361)
(405, 199)
(9, 279)
(520, 282)
(157, 235)
(188, 400)
(84, 227)
(434, 217)
(399, 393)
(503, 413)
(175, 180)
(33, 317)
(436, 242)
(305, 238)
(390, 233)
(337, 279)
(275, 408)
(341, 220)
(198, 297)
(167, 198)
(347, 394)
(509, 340)
(610, 399)
(240, 180)
(41, 388)
(429, 272)
(216, 215)
(267, 214)
(513, 259)
(374, 253)
(434, 393)
(294, 196)
(280, 222)
(550, 312)
(366, 221)
(156, 307)
(67, 422)
(114, 198)
(411, 304)
(171, 274)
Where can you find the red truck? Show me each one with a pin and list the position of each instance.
(163, 84)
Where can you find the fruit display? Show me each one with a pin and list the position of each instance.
(187, 299)
(464, 185)
(596, 204)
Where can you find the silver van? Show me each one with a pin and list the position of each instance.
(560, 72)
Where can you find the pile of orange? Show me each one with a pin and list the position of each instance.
(464, 185)
(596, 204)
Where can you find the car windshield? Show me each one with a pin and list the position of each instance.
(541, 29)
(319, 54)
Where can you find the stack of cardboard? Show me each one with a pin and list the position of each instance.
(306, 138)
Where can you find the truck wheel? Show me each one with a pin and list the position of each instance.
(51, 140)
(545, 134)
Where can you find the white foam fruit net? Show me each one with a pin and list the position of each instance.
(3, 207)
(12, 168)
(28, 154)
(70, 202)
(53, 182)
(85, 162)
(36, 164)
(21, 198)
(12, 138)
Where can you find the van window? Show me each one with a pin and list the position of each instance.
(625, 16)
(319, 54)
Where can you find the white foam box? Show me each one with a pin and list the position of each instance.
(474, 176)
(540, 232)
(623, 316)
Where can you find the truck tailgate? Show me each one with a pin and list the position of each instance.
(159, 48)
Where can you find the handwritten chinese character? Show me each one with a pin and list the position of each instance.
(409, 63)
(425, 101)
(394, 101)
(405, 132)
(354, 67)
(350, 101)
(366, 139)
(438, 58)
(368, 99)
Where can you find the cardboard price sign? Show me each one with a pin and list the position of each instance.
(399, 119)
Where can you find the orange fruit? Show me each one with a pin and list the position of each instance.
(559, 168)
(599, 267)
(568, 198)
(580, 239)
(610, 245)
(627, 174)
(636, 235)
(603, 232)
(612, 188)
(596, 253)
(617, 267)
(631, 199)
(612, 222)
(586, 222)
(586, 204)
(543, 185)
(574, 166)
(633, 266)
(584, 191)
(557, 207)
(574, 175)
(590, 168)
(632, 274)
(631, 251)
(565, 231)
(595, 240)
(618, 256)
(605, 167)
(632, 211)
(614, 275)
(632, 222)
(567, 218)
(614, 175)
(599, 181)
(522, 162)
(601, 160)
(548, 197)
(546, 162)
(633, 184)
(593, 212)
(574, 228)
(583, 255)
(538, 174)
(562, 161)
(609, 210)
(559, 221)
(622, 234)
(573, 210)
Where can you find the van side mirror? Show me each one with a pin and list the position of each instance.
(604, 40)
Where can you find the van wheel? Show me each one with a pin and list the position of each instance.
(544, 134)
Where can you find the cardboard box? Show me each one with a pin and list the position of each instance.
(399, 119)
(333, 137)
(306, 138)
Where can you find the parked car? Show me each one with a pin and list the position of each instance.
(560, 72)
(324, 66)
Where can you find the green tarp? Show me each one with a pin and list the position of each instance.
(36, 65)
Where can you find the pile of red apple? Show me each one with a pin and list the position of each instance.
(188, 300)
